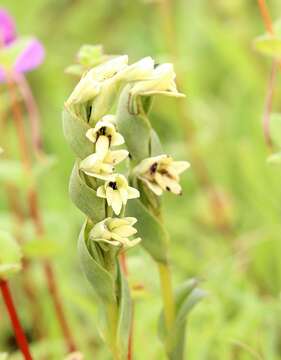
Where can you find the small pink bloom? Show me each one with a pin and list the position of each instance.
(29, 58)
(7, 28)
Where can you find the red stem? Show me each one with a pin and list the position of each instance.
(19, 333)
(266, 16)
(35, 212)
(32, 110)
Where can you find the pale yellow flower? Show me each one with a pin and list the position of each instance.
(104, 135)
(161, 81)
(140, 70)
(116, 232)
(117, 192)
(91, 83)
(161, 173)
(101, 164)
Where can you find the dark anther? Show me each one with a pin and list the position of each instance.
(167, 188)
(153, 168)
(155, 65)
(113, 185)
(130, 156)
(89, 111)
(102, 130)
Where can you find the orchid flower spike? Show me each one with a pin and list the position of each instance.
(161, 173)
(116, 232)
(104, 135)
(117, 192)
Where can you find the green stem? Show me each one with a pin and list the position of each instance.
(112, 317)
(167, 295)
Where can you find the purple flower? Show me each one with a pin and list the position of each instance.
(17, 54)
(7, 28)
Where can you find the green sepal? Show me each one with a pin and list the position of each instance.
(187, 295)
(134, 127)
(10, 255)
(101, 280)
(124, 314)
(75, 133)
(153, 234)
(84, 197)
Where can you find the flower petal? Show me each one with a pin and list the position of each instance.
(31, 57)
(125, 231)
(102, 146)
(116, 202)
(133, 193)
(180, 166)
(101, 192)
(117, 139)
(7, 27)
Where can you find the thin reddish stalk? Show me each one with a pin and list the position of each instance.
(35, 214)
(266, 16)
(19, 333)
(268, 105)
(270, 87)
(32, 110)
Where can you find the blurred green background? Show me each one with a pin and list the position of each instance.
(237, 257)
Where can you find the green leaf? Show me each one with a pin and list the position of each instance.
(10, 255)
(40, 248)
(75, 133)
(124, 316)
(186, 297)
(269, 45)
(135, 128)
(100, 279)
(154, 236)
(275, 128)
(84, 197)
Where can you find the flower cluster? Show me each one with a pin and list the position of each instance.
(97, 90)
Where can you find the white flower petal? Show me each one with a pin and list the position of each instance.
(153, 187)
(117, 139)
(91, 135)
(125, 231)
(101, 192)
(180, 166)
(116, 202)
(133, 193)
(109, 195)
(116, 156)
(102, 146)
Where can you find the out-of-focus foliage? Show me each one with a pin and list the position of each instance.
(225, 80)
